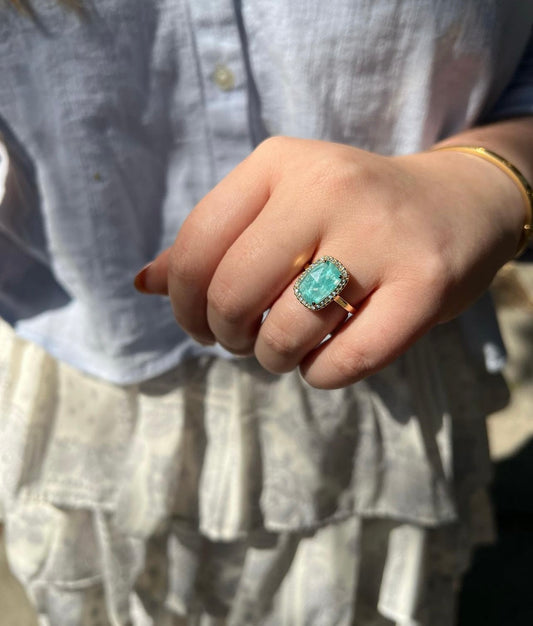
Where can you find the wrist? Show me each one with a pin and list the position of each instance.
(513, 174)
(512, 142)
(479, 194)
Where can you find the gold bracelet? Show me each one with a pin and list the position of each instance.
(516, 175)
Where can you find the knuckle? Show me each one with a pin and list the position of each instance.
(331, 174)
(188, 254)
(279, 341)
(183, 265)
(226, 303)
(271, 156)
(196, 326)
(340, 178)
(274, 144)
(181, 270)
(349, 363)
(434, 272)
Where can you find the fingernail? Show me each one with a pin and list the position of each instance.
(144, 283)
(140, 283)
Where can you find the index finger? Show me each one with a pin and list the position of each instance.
(184, 270)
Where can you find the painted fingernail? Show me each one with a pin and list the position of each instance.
(140, 283)
(149, 282)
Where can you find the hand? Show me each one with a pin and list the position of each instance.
(420, 235)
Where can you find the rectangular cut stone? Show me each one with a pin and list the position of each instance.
(319, 282)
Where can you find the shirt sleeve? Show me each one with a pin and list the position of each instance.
(517, 98)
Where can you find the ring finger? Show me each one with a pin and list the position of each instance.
(290, 330)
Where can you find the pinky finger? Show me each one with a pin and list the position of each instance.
(387, 324)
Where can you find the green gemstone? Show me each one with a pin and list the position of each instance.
(319, 282)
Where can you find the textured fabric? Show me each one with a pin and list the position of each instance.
(116, 127)
(218, 494)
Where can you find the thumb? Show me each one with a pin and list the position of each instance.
(152, 278)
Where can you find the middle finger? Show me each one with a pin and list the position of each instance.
(256, 270)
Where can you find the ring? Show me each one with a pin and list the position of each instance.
(321, 283)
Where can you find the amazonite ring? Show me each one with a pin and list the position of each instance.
(322, 283)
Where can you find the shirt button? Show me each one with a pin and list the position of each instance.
(223, 78)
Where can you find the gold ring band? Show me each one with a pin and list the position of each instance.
(345, 305)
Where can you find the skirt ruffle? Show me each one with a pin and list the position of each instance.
(219, 494)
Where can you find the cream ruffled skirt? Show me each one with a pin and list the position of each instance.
(218, 494)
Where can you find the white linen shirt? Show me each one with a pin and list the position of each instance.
(117, 123)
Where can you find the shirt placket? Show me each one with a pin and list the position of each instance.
(224, 82)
